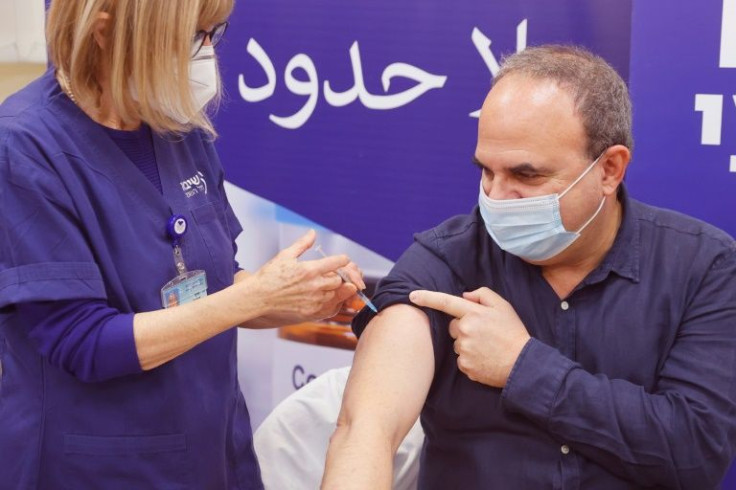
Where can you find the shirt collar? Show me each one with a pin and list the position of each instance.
(624, 256)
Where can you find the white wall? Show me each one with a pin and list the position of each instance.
(265, 362)
(21, 31)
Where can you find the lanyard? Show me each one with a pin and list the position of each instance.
(187, 285)
(176, 229)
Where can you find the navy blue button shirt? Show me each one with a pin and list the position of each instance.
(630, 382)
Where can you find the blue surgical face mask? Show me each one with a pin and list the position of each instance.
(531, 227)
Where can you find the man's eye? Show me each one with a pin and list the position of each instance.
(528, 176)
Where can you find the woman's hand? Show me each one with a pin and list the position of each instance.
(282, 292)
(304, 290)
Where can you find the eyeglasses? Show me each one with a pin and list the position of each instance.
(215, 36)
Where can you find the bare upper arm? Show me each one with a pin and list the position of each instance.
(391, 374)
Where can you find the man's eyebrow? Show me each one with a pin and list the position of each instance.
(477, 163)
(520, 168)
(527, 167)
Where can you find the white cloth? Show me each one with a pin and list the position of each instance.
(292, 441)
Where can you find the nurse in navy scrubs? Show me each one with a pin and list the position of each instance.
(118, 285)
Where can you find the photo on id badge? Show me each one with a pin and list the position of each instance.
(184, 288)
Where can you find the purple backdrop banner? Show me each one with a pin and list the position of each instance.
(683, 83)
(357, 114)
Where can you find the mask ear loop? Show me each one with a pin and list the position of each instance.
(600, 206)
(582, 175)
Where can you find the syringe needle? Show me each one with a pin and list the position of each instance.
(345, 278)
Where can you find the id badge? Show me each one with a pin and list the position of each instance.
(184, 288)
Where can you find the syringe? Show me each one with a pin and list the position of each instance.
(345, 278)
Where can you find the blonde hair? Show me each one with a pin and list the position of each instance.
(147, 52)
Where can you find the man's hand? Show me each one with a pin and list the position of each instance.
(489, 335)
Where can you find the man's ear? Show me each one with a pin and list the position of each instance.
(101, 31)
(614, 162)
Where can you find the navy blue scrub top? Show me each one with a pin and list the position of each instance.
(629, 382)
(80, 221)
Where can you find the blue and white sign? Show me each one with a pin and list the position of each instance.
(362, 115)
(683, 83)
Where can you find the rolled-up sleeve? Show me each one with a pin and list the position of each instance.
(417, 268)
(49, 278)
(86, 338)
(44, 255)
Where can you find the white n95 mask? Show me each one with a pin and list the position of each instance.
(531, 227)
(203, 81)
(203, 77)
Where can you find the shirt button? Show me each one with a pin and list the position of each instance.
(565, 449)
(565, 305)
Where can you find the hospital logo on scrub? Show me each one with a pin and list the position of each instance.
(194, 185)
